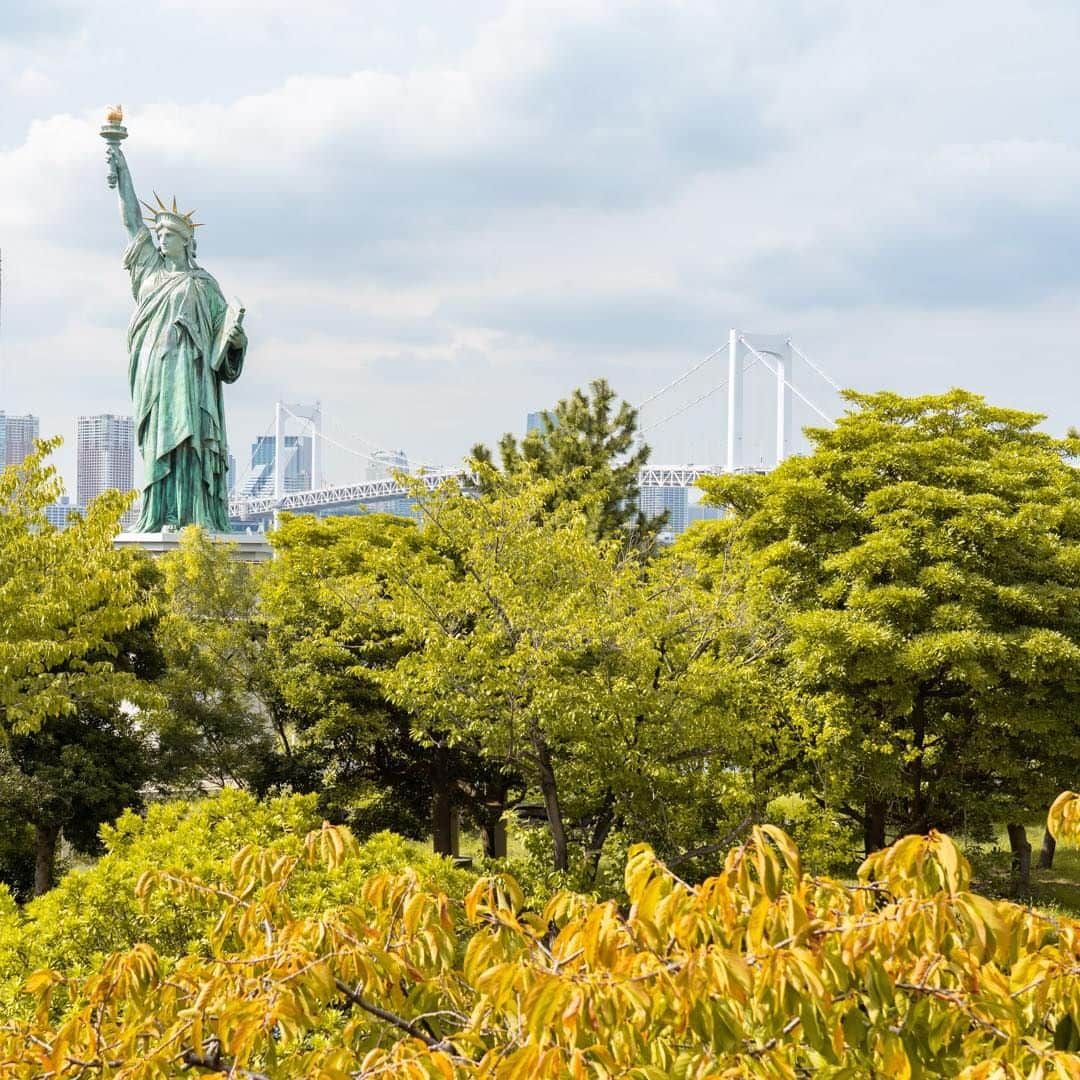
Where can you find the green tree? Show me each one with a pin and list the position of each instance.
(74, 617)
(328, 635)
(222, 716)
(65, 596)
(587, 445)
(71, 775)
(94, 910)
(610, 684)
(924, 563)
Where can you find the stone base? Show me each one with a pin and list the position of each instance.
(247, 547)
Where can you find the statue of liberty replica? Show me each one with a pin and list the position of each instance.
(184, 342)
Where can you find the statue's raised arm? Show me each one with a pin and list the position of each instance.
(129, 204)
(119, 176)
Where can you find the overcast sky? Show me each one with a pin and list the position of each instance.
(442, 216)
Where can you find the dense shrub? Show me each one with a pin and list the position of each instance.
(94, 912)
(763, 970)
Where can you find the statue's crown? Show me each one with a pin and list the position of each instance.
(162, 216)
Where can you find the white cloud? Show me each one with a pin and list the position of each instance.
(30, 82)
(440, 218)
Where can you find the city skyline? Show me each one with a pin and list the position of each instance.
(108, 458)
(441, 218)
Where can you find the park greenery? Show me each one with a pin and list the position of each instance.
(729, 768)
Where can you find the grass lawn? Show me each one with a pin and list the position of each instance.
(1055, 891)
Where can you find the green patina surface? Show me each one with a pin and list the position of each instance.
(184, 343)
(179, 358)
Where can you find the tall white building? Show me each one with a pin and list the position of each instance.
(17, 435)
(105, 450)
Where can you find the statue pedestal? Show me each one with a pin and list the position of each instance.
(247, 547)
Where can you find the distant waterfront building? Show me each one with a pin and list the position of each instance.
(675, 500)
(534, 421)
(384, 463)
(105, 456)
(57, 513)
(231, 478)
(382, 466)
(297, 465)
(701, 512)
(17, 435)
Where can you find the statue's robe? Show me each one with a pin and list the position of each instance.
(179, 358)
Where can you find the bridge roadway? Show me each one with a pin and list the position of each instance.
(245, 507)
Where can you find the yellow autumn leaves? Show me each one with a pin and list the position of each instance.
(762, 970)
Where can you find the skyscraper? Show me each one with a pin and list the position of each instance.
(297, 465)
(17, 435)
(105, 451)
(655, 500)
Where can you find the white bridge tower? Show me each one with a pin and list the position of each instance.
(773, 351)
(312, 414)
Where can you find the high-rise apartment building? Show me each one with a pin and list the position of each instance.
(297, 465)
(17, 435)
(105, 453)
(675, 500)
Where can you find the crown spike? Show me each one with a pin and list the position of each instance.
(174, 210)
(161, 205)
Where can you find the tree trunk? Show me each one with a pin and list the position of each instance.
(45, 840)
(1021, 856)
(492, 827)
(874, 826)
(444, 839)
(917, 820)
(493, 836)
(605, 820)
(550, 790)
(444, 832)
(1049, 846)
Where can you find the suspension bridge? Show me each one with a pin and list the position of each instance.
(764, 376)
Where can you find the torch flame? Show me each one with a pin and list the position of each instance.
(115, 115)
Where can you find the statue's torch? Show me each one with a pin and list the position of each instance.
(114, 133)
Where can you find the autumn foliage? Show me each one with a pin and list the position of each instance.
(763, 970)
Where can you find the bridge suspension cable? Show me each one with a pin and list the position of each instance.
(697, 401)
(768, 365)
(814, 367)
(756, 357)
(371, 458)
(682, 378)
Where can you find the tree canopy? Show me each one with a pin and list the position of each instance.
(76, 651)
(588, 446)
(924, 562)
